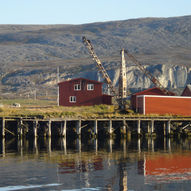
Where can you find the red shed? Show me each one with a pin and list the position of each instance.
(151, 91)
(187, 91)
(81, 91)
(152, 104)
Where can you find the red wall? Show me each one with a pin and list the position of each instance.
(175, 105)
(83, 97)
(151, 91)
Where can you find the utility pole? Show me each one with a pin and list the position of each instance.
(58, 79)
(122, 80)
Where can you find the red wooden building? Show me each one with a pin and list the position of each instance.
(81, 91)
(155, 104)
(151, 91)
(187, 91)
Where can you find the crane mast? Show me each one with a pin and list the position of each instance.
(122, 79)
(105, 76)
(148, 74)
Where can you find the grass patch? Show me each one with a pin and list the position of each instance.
(48, 109)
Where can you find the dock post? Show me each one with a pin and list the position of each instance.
(3, 128)
(35, 125)
(63, 128)
(20, 124)
(78, 127)
(169, 144)
(95, 129)
(139, 145)
(96, 145)
(152, 145)
(124, 130)
(79, 145)
(148, 128)
(49, 145)
(110, 145)
(164, 128)
(3, 146)
(49, 129)
(110, 129)
(35, 145)
(152, 126)
(139, 127)
(64, 145)
(168, 128)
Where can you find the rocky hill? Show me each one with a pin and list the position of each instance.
(31, 54)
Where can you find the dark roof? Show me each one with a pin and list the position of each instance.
(189, 86)
(187, 91)
(76, 79)
(152, 91)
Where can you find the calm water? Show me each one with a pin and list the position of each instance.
(136, 164)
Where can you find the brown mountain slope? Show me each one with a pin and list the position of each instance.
(29, 54)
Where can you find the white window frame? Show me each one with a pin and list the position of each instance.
(77, 87)
(72, 99)
(90, 87)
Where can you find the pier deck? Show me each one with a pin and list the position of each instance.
(37, 126)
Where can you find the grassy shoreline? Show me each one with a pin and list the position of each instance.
(48, 109)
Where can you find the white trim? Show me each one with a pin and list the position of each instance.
(165, 96)
(76, 85)
(90, 85)
(72, 97)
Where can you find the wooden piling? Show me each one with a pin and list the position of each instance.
(139, 127)
(78, 127)
(168, 127)
(124, 129)
(152, 126)
(63, 128)
(148, 128)
(3, 146)
(110, 128)
(164, 128)
(96, 145)
(49, 129)
(35, 125)
(20, 127)
(3, 127)
(64, 145)
(95, 128)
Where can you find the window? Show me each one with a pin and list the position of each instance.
(90, 86)
(77, 87)
(72, 99)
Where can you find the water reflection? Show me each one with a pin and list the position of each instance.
(136, 164)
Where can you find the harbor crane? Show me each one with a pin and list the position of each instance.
(118, 98)
(154, 80)
(105, 76)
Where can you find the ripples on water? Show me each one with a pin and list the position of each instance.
(57, 164)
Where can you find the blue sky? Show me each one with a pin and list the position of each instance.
(87, 11)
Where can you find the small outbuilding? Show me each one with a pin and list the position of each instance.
(187, 91)
(164, 105)
(82, 92)
(151, 91)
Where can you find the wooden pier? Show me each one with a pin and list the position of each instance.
(110, 127)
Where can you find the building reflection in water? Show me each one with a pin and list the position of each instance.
(113, 162)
